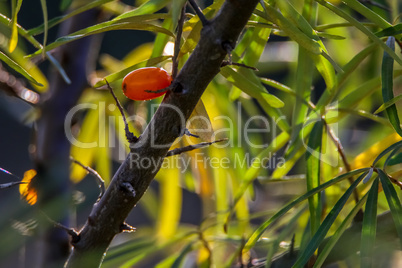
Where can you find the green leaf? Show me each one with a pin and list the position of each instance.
(397, 159)
(322, 255)
(141, 22)
(313, 155)
(361, 27)
(261, 229)
(393, 202)
(394, 146)
(292, 31)
(55, 21)
(120, 74)
(249, 87)
(390, 31)
(148, 7)
(387, 83)
(368, 13)
(7, 60)
(369, 228)
(65, 4)
(44, 11)
(285, 232)
(388, 104)
(326, 224)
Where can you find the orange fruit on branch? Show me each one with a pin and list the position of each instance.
(137, 84)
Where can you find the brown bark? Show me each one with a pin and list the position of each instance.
(131, 181)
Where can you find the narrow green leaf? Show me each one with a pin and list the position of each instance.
(326, 224)
(148, 7)
(57, 20)
(322, 255)
(261, 229)
(7, 60)
(292, 31)
(397, 159)
(361, 27)
(390, 31)
(349, 68)
(65, 4)
(368, 13)
(120, 74)
(285, 232)
(393, 202)
(249, 87)
(387, 83)
(394, 146)
(45, 16)
(16, 6)
(364, 90)
(388, 104)
(313, 173)
(369, 228)
(141, 22)
(177, 262)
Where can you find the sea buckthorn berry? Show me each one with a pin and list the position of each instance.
(136, 83)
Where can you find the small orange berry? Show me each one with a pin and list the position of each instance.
(138, 81)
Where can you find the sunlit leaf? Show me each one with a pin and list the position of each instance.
(200, 124)
(141, 22)
(20, 69)
(27, 191)
(249, 87)
(16, 6)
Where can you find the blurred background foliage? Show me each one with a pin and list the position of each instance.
(321, 103)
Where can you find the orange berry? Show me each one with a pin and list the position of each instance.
(138, 81)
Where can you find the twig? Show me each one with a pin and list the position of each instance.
(226, 63)
(93, 172)
(198, 11)
(342, 154)
(179, 33)
(11, 184)
(131, 138)
(192, 147)
(70, 231)
(392, 179)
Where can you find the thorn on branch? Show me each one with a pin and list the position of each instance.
(226, 63)
(99, 180)
(192, 147)
(188, 133)
(131, 138)
(125, 227)
(75, 237)
(199, 13)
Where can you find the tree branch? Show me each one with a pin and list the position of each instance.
(109, 213)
